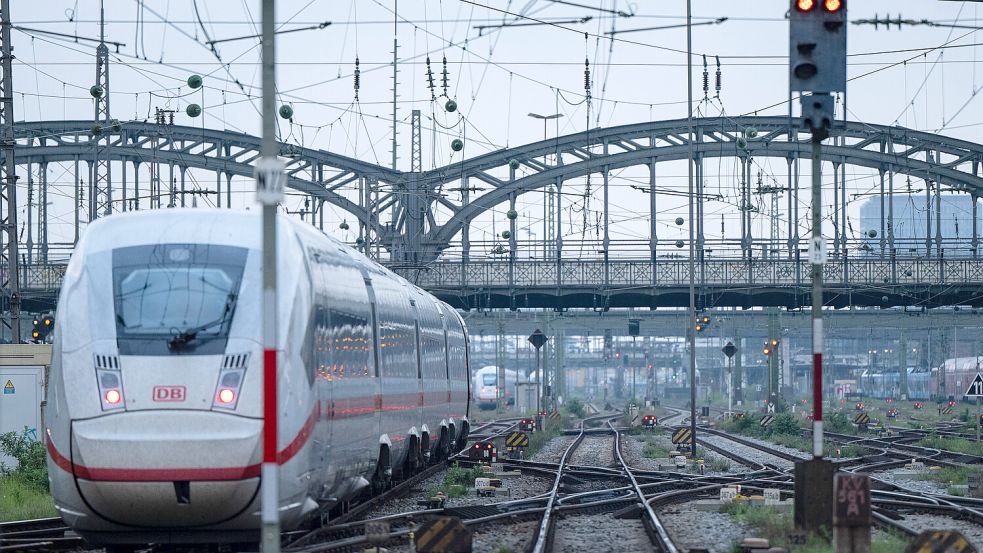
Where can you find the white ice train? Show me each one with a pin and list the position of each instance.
(154, 399)
(485, 386)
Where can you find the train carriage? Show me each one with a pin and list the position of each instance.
(155, 403)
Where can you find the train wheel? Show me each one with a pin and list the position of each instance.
(382, 478)
(462, 439)
(412, 463)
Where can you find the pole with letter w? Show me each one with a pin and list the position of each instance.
(269, 192)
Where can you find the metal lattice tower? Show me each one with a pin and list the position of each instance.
(416, 158)
(774, 216)
(100, 197)
(9, 257)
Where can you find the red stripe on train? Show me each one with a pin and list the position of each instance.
(191, 474)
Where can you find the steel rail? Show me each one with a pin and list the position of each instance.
(656, 530)
(544, 533)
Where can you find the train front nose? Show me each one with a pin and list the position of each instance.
(190, 468)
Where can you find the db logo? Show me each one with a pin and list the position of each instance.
(169, 393)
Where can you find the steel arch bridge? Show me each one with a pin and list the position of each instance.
(414, 239)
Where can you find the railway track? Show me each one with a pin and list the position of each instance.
(891, 503)
(43, 534)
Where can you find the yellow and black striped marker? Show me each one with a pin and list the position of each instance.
(862, 418)
(443, 535)
(517, 439)
(940, 541)
(682, 436)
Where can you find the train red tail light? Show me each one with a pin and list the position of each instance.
(113, 397)
(230, 380)
(832, 6)
(226, 396)
(805, 5)
(110, 389)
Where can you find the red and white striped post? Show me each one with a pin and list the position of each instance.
(817, 257)
(269, 192)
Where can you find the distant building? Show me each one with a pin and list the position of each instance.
(911, 219)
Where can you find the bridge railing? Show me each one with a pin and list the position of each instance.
(674, 273)
(868, 272)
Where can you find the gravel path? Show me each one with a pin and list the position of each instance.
(690, 528)
(633, 449)
(971, 531)
(600, 534)
(790, 450)
(747, 452)
(911, 482)
(552, 450)
(491, 537)
(520, 487)
(594, 451)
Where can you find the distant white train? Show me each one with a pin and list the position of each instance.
(154, 398)
(485, 386)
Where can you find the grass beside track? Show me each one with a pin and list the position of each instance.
(776, 526)
(458, 481)
(21, 501)
(786, 430)
(958, 445)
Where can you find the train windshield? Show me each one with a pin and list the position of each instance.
(489, 380)
(175, 298)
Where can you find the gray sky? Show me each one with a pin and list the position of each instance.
(497, 76)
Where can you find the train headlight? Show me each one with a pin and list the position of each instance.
(227, 389)
(110, 389)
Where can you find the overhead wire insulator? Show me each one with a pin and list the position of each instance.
(358, 78)
(719, 77)
(587, 77)
(430, 85)
(706, 79)
(444, 77)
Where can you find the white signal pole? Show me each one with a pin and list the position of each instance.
(269, 192)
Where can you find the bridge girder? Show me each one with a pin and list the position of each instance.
(949, 161)
(225, 152)
(879, 147)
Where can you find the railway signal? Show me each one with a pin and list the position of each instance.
(817, 56)
(42, 328)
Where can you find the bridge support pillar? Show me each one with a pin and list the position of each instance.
(902, 366)
(974, 244)
(559, 378)
(737, 376)
(774, 361)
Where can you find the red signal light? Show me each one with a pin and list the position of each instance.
(831, 6)
(805, 5)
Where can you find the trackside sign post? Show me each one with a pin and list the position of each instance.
(976, 390)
